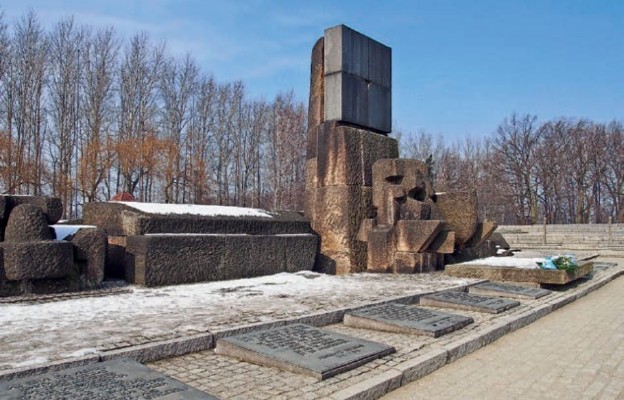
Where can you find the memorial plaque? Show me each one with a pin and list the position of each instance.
(401, 318)
(111, 380)
(505, 290)
(303, 349)
(467, 301)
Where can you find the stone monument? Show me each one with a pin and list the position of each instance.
(34, 260)
(374, 211)
(349, 119)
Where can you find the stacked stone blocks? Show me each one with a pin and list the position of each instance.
(154, 249)
(372, 210)
(32, 261)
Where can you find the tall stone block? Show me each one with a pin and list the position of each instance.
(358, 79)
(459, 210)
(315, 105)
(339, 211)
(346, 155)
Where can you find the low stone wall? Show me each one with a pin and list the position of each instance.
(169, 259)
(573, 236)
(118, 219)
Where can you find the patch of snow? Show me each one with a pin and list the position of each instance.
(32, 334)
(195, 209)
(511, 262)
(62, 231)
(82, 352)
(500, 251)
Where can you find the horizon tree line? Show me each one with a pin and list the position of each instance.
(85, 115)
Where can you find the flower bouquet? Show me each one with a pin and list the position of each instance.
(563, 262)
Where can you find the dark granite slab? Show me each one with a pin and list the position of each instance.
(122, 379)
(506, 290)
(303, 349)
(401, 318)
(467, 301)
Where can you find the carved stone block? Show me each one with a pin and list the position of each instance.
(459, 210)
(416, 235)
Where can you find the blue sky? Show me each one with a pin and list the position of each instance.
(459, 67)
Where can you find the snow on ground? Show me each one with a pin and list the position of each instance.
(62, 231)
(32, 334)
(513, 262)
(194, 209)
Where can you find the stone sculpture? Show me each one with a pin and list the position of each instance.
(373, 210)
(32, 261)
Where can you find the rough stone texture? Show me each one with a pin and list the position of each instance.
(459, 210)
(7, 288)
(312, 142)
(310, 188)
(508, 274)
(358, 79)
(106, 216)
(381, 248)
(37, 260)
(52, 207)
(118, 219)
(90, 248)
(339, 212)
(116, 257)
(401, 238)
(444, 243)
(410, 262)
(157, 260)
(346, 155)
(315, 105)
(414, 209)
(499, 241)
(27, 223)
(409, 176)
(482, 233)
(416, 235)
(303, 349)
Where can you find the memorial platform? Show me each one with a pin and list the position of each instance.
(173, 330)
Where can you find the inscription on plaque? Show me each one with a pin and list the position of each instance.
(303, 349)
(467, 301)
(513, 291)
(401, 318)
(112, 380)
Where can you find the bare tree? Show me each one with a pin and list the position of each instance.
(97, 148)
(66, 41)
(516, 142)
(177, 85)
(139, 75)
(30, 48)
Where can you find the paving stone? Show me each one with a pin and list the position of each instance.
(467, 301)
(303, 349)
(401, 318)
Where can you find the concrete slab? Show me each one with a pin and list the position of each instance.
(401, 318)
(505, 290)
(467, 301)
(111, 380)
(303, 349)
